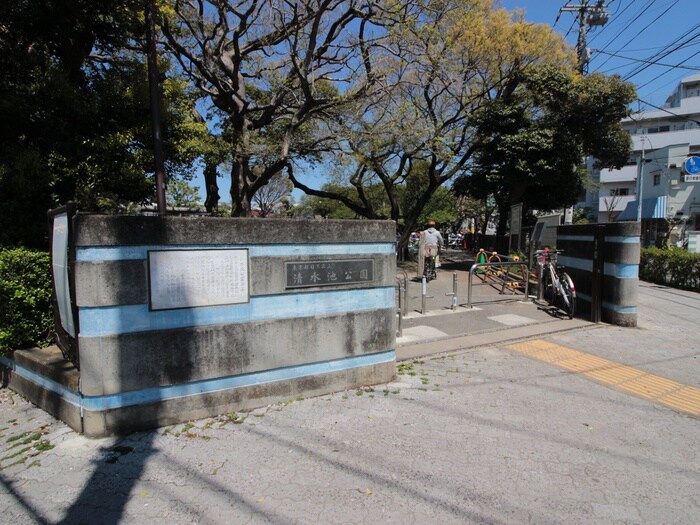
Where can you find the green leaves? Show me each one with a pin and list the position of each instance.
(533, 137)
(26, 314)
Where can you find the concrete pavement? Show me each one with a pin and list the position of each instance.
(480, 434)
(494, 316)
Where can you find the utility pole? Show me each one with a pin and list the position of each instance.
(159, 157)
(642, 161)
(589, 13)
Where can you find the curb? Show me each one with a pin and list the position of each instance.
(457, 343)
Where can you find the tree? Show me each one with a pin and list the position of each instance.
(271, 195)
(75, 103)
(478, 213)
(534, 138)
(611, 201)
(272, 69)
(438, 69)
(179, 194)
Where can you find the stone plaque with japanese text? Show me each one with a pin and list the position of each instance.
(303, 274)
(192, 278)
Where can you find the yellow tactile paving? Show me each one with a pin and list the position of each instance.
(671, 394)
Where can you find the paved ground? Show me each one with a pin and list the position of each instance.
(487, 315)
(498, 434)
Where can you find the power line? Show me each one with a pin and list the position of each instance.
(646, 61)
(646, 8)
(658, 56)
(674, 66)
(682, 117)
(614, 17)
(587, 15)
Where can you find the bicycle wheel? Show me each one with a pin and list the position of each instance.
(547, 287)
(429, 269)
(569, 298)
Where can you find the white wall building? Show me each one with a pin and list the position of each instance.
(664, 139)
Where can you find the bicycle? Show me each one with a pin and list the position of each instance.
(557, 286)
(429, 268)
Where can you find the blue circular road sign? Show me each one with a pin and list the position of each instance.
(692, 165)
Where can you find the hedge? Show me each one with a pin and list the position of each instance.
(673, 267)
(26, 310)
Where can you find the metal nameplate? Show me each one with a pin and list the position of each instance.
(304, 274)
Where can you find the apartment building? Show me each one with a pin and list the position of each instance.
(666, 151)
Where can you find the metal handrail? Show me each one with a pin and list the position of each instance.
(403, 287)
(475, 266)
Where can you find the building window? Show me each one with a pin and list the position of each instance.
(657, 179)
(619, 192)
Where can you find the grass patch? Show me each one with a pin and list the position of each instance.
(12, 439)
(232, 417)
(404, 368)
(15, 454)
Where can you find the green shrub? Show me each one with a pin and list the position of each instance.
(673, 267)
(26, 310)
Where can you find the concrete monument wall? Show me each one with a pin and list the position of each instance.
(603, 261)
(182, 318)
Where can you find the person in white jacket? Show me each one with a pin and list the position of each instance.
(433, 240)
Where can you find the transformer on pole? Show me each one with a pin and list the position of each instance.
(591, 14)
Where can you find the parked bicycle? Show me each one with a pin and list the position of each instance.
(558, 288)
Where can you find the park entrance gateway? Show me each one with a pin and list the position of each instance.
(179, 318)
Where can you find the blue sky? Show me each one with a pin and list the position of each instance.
(636, 31)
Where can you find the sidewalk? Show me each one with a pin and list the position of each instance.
(494, 317)
(490, 435)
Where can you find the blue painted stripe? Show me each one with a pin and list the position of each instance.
(619, 239)
(69, 395)
(584, 238)
(619, 308)
(119, 253)
(153, 395)
(575, 262)
(621, 271)
(102, 321)
(607, 305)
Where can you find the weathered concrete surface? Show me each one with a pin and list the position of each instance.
(618, 252)
(107, 283)
(309, 305)
(168, 357)
(482, 436)
(113, 230)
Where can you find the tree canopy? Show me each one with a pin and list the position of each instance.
(396, 99)
(75, 107)
(534, 139)
(273, 69)
(438, 69)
